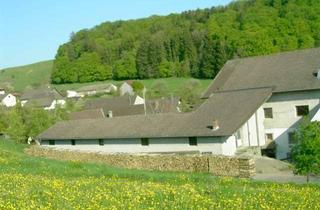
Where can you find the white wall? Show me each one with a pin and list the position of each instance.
(285, 119)
(229, 147)
(215, 145)
(252, 132)
(9, 101)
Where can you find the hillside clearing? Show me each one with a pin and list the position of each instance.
(29, 76)
(38, 75)
(30, 182)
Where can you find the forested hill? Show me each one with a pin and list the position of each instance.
(194, 43)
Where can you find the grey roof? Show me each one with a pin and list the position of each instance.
(88, 114)
(289, 71)
(163, 105)
(40, 97)
(3, 96)
(123, 106)
(110, 102)
(230, 108)
(40, 102)
(95, 87)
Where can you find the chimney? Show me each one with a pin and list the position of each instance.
(110, 114)
(215, 125)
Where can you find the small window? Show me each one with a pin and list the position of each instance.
(269, 137)
(145, 142)
(51, 142)
(291, 138)
(302, 110)
(238, 134)
(101, 142)
(193, 141)
(268, 113)
(73, 142)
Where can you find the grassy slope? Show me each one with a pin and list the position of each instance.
(48, 184)
(38, 74)
(173, 84)
(19, 78)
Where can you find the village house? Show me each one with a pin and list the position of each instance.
(252, 102)
(45, 98)
(124, 106)
(126, 88)
(92, 90)
(7, 99)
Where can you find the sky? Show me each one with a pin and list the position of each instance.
(32, 30)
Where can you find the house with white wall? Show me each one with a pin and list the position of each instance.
(45, 98)
(252, 102)
(8, 100)
(126, 88)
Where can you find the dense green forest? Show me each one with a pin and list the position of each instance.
(193, 43)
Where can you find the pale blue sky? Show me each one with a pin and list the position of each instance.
(32, 30)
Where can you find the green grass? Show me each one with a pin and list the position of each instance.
(38, 74)
(36, 183)
(173, 84)
(22, 77)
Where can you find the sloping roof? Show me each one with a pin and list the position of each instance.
(40, 93)
(230, 108)
(124, 110)
(88, 114)
(40, 97)
(40, 102)
(95, 87)
(109, 102)
(289, 71)
(163, 105)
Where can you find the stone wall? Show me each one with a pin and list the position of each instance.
(216, 165)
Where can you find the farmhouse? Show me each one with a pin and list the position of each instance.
(251, 103)
(96, 89)
(124, 106)
(44, 98)
(126, 88)
(8, 100)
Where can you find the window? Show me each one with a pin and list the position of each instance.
(51, 142)
(101, 142)
(268, 113)
(269, 137)
(193, 141)
(73, 142)
(145, 142)
(302, 110)
(291, 138)
(238, 134)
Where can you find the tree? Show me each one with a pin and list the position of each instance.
(306, 152)
(189, 95)
(137, 86)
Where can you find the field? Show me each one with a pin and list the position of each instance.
(35, 183)
(38, 74)
(22, 77)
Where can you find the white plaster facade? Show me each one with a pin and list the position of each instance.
(138, 100)
(285, 119)
(214, 145)
(125, 88)
(9, 100)
(72, 94)
(54, 104)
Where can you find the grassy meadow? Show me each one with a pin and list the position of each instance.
(29, 76)
(37, 183)
(38, 74)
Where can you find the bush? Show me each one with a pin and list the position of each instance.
(306, 152)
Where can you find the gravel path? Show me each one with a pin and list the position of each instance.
(269, 169)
